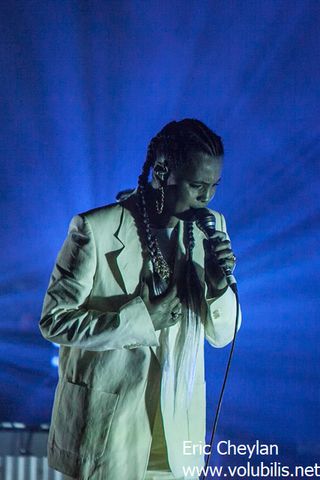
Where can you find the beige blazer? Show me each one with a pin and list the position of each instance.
(109, 377)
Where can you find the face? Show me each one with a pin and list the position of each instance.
(194, 184)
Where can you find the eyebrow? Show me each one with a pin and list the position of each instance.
(205, 183)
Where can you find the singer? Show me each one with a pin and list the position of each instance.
(136, 288)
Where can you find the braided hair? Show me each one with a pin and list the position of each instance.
(174, 142)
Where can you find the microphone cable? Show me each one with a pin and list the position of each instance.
(215, 423)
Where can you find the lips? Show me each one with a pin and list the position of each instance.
(188, 215)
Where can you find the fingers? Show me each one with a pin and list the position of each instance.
(172, 293)
(175, 305)
(171, 300)
(217, 242)
(173, 320)
(175, 315)
(218, 236)
(222, 247)
(224, 254)
(175, 310)
(227, 261)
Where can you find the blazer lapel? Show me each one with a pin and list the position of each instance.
(127, 254)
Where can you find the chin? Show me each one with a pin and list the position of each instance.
(186, 214)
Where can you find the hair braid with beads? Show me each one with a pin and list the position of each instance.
(173, 141)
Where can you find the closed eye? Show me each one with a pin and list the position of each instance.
(200, 185)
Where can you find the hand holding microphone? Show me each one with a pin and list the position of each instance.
(219, 255)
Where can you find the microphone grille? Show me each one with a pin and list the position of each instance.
(206, 221)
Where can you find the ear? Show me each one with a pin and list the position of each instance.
(160, 173)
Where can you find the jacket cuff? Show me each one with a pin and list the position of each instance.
(221, 319)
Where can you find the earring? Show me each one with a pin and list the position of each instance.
(160, 204)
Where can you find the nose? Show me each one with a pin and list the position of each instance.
(205, 196)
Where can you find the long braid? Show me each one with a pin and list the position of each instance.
(190, 239)
(191, 277)
(160, 265)
(142, 183)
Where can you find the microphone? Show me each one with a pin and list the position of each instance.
(206, 222)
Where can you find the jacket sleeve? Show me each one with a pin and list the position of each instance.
(220, 320)
(66, 320)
